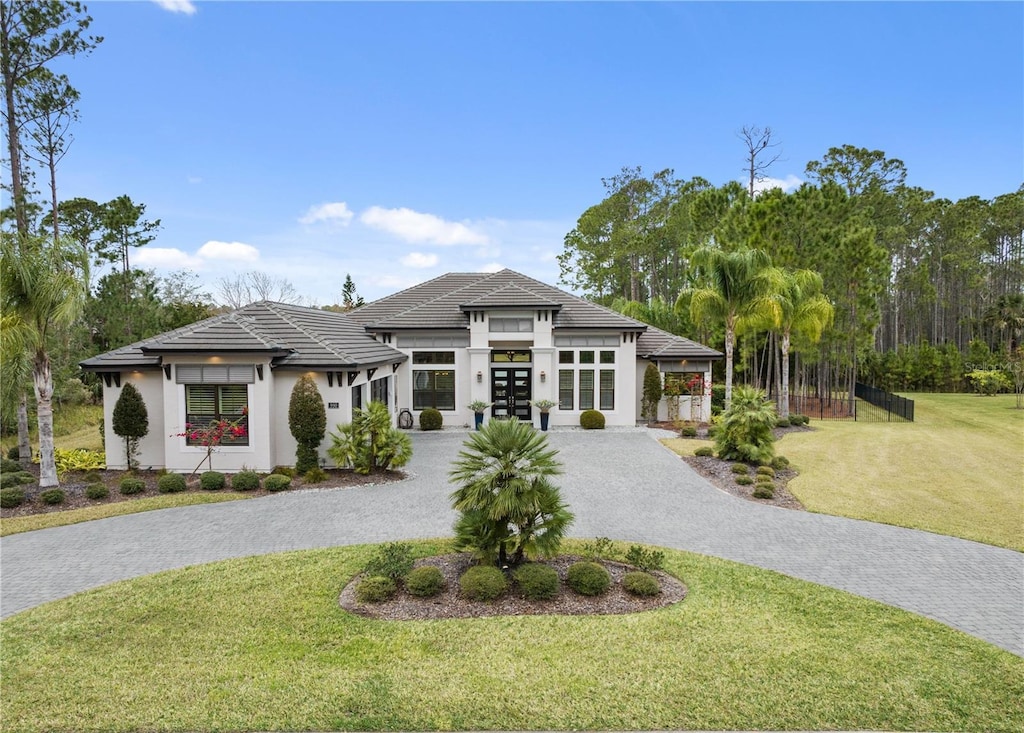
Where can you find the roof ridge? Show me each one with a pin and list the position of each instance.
(247, 324)
(307, 332)
(401, 313)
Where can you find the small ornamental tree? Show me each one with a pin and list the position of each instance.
(652, 392)
(130, 421)
(213, 434)
(307, 420)
(989, 381)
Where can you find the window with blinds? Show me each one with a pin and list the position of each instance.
(206, 404)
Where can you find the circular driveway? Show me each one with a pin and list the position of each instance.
(619, 484)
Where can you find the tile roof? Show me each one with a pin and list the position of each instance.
(294, 336)
(657, 344)
(439, 303)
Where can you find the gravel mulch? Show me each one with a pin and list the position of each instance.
(450, 604)
(74, 485)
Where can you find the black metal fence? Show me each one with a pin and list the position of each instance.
(896, 408)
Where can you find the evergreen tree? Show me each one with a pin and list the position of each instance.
(130, 420)
(652, 392)
(307, 421)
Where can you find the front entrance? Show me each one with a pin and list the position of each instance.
(510, 392)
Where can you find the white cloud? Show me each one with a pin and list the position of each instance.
(787, 184)
(419, 260)
(230, 251)
(491, 267)
(416, 227)
(164, 258)
(194, 180)
(332, 212)
(177, 6)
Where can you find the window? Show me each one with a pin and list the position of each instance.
(207, 403)
(607, 389)
(565, 388)
(379, 391)
(587, 389)
(433, 388)
(510, 325)
(586, 357)
(507, 357)
(357, 397)
(607, 357)
(566, 357)
(433, 357)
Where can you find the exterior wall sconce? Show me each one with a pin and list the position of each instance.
(543, 376)
(479, 376)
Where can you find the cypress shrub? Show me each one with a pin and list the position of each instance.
(130, 420)
(307, 421)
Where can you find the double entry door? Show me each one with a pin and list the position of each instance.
(510, 393)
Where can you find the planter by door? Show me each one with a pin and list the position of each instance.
(479, 418)
(544, 420)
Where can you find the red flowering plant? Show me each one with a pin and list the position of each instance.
(214, 434)
(695, 385)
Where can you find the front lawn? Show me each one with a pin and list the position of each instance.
(261, 644)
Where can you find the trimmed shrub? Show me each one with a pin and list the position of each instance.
(764, 492)
(795, 419)
(92, 477)
(425, 582)
(132, 485)
(592, 420)
(704, 450)
(307, 421)
(762, 478)
(431, 419)
(53, 497)
(8, 465)
(10, 498)
(12, 453)
(712, 431)
(276, 482)
(740, 468)
(211, 480)
(482, 583)
(783, 422)
(645, 559)
(537, 582)
(688, 431)
(638, 583)
(375, 589)
(744, 480)
(171, 483)
(284, 471)
(588, 578)
(314, 476)
(651, 393)
(130, 420)
(97, 491)
(392, 559)
(765, 471)
(780, 462)
(245, 481)
(7, 480)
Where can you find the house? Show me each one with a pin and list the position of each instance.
(501, 338)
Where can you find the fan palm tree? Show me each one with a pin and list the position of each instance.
(508, 506)
(740, 286)
(1006, 316)
(43, 291)
(804, 310)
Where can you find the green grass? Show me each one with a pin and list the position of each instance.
(74, 426)
(14, 525)
(956, 470)
(261, 644)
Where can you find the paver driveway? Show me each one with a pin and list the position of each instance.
(622, 485)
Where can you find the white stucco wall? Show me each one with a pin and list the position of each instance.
(150, 452)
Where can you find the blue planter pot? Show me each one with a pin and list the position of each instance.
(544, 420)
(478, 418)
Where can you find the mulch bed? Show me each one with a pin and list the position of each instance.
(73, 485)
(450, 604)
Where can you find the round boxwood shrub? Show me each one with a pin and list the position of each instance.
(482, 583)
(211, 480)
(314, 476)
(688, 431)
(171, 483)
(97, 491)
(53, 497)
(431, 419)
(245, 481)
(704, 450)
(13, 453)
(10, 498)
(765, 471)
(592, 420)
(537, 582)
(639, 583)
(375, 588)
(740, 468)
(425, 581)
(588, 578)
(782, 422)
(276, 482)
(762, 491)
(780, 462)
(744, 480)
(132, 485)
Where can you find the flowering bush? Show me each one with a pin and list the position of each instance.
(213, 435)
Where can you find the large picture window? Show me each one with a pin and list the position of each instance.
(433, 388)
(207, 403)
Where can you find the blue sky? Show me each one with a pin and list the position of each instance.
(399, 141)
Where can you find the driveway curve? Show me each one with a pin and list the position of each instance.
(619, 484)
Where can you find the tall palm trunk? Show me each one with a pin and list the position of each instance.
(730, 337)
(42, 379)
(784, 391)
(24, 445)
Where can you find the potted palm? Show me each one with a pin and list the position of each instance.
(478, 407)
(545, 407)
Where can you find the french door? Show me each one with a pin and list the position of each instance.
(510, 393)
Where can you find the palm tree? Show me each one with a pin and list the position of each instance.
(43, 290)
(804, 310)
(1006, 315)
(740, 287)
(508, 506)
